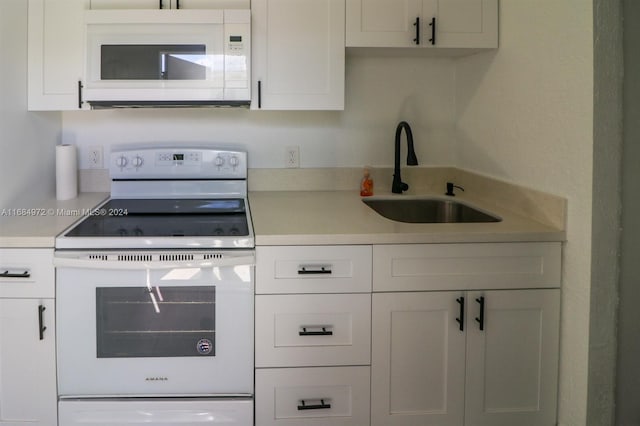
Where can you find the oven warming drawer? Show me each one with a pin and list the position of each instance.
(177, 412)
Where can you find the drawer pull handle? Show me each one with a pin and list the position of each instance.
(322, 332)
(314, 270)
(322, 406)
(7, 274)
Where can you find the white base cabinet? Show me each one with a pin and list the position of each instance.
(27, 338)
(313, 335)
(433, 365)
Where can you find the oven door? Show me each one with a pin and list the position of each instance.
(154, 323)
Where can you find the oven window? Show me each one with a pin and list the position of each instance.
(164, 322)
(153, 62)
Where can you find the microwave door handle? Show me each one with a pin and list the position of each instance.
(142, 265)
(163, 66)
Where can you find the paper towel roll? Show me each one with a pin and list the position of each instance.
(66, 172)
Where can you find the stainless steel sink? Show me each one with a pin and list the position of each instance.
(428, 210)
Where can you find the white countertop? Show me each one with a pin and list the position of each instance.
(304, 218)
(340, 217)
(37, 224)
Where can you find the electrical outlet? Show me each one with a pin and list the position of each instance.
(95, 157)
(292, 157)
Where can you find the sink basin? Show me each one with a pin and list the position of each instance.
(428, 210)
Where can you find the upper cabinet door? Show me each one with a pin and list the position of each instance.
(169, 4)
(298, 54)
(55, 54)
(422, 23)
(129, 4)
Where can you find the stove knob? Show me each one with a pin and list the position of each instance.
(234, 231)
(138, 232)
(121, 161)
(123, 232)
(219, 161)
(234, 161)
(218, 231)
(137, 161)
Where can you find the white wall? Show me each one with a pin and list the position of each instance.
(27, 140)
(525, 114)
(380, 93)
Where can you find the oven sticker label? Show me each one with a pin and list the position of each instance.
(204, 346)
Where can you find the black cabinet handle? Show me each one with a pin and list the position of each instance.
(80, 102)
(159, 4)
(177, 4)
(41, 325)
(7, 274)
(319, 331)
(323, 405)
(417, 25)
(433, 31)
(480, 319)
(460, 319)
(259, 94)
(314, 270)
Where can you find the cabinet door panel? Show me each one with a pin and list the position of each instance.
(27, 364)
(417, 360)
(55, 53)
(382, 23)
(464, 23)
(512, 364)
(298, 54)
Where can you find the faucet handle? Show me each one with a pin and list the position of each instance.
(398, 186)
(450, 186)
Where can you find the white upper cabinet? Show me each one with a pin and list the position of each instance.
(55, 54)
(169, 4)
(298, 54)
(468, 24)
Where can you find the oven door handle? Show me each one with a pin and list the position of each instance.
(70, 262)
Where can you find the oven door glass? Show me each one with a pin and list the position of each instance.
(155, 322)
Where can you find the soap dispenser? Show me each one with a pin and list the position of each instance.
(366, 184)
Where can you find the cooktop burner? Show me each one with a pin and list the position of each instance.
(165, 218)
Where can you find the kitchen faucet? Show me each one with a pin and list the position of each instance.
(397, 187)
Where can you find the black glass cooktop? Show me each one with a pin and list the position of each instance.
(165, 218)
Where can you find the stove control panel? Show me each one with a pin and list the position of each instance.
(177, 163)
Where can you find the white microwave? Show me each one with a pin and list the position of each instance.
(171, 58)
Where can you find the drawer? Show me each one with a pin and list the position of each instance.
(27, 273)
(312, 396)
(313, 330)
(415, 267)
(313, 269)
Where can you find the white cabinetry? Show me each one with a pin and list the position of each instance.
(313, 345)
(422, 23)
(27, 338)
(169, 4)
(298, 54)
(492, 354)
(55, 54)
